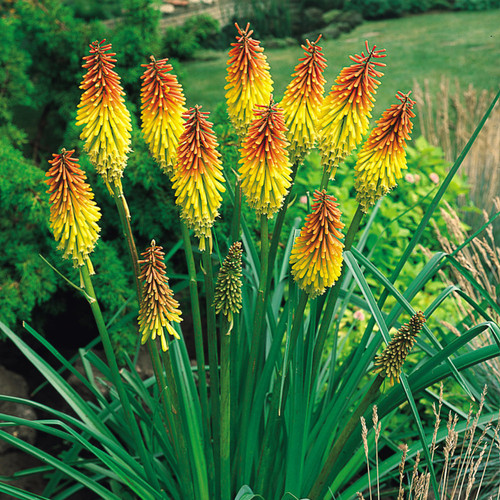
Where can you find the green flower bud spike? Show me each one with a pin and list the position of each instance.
(391, 361)
(228, 288)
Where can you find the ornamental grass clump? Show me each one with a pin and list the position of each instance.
(267, 400)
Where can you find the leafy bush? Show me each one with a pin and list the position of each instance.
(182, 42)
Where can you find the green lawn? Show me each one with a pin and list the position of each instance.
(463, 45)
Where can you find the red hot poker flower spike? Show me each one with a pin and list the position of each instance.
(344, 116)
(162, 108)
(316, 257)
(383, 155)
(158, 306)
(303, 99)
(265, 168)
(249, 81)
(103, 113)
(197, 179)
(73, 211)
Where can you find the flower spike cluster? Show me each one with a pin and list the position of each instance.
(383, 155)
(162, 108)
(390, 362)
(248, 77)
(316, 257)
(345, 113)
(73, 211)
(103, 114)
(265, 167)
(158, 306)
(197, 178)
(228, 288)
(302, 100)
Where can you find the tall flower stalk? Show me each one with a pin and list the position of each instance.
(227, 303)
(74, 217)
(197, 179)
(161, 112)
(102, 112)
(345, 113)
(383, 155)
(248, 79)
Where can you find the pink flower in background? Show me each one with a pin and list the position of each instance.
(410, 178)
(434, 178)
(359, 315)
(303, 199)
(417, 178)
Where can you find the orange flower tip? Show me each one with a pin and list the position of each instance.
(370, 55)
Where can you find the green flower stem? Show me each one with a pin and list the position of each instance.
(179, 437)
(213, 361)
(163, 391)
(236, 221)
(259, 322)
(325, 178)
(279, 394)
(225, 416)
(121, 205)
(280, 218)
(320, 486)
(198, 332)
(144, 455)
(335, 291)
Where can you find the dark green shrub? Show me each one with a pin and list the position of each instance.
(475, 4)
(182, 42)
(179, 43)
(378, 9)
(95, 9)
(205, 29)
(267, 17)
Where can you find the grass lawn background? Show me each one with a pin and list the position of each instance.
(459, 45)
